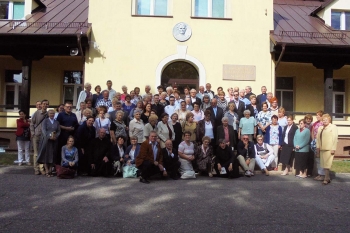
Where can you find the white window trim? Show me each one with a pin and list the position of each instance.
(342, 18)
(10, 10)
(152, 2)
(75, 94)
(210, 9)
(16, 100)
(333, 103)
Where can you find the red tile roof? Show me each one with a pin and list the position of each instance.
(294, 24)
(59, 17)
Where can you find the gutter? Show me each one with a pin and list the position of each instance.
(80, 47)
(281, 56)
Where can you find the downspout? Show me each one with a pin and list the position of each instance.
(80, 47)
(281, 56)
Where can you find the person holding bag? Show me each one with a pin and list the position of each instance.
(50, 131)
(23, 138)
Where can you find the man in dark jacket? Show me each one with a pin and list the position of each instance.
(246, 155)
(171, 160)
(216, 113)
(226, 164)
(100, 155)
(227, 132)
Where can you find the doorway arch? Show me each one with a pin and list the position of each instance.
(181, 57)
(180, 74)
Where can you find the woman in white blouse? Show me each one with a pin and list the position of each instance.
(182, 112)
(102, 121)
(136, 127)
(198, 114)
(165, 130)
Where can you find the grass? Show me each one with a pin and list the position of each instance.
(339, 166)
(7, 158)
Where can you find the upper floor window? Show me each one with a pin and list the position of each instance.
(340, 20)
(152, 7)
(210, 8)
(11, 10)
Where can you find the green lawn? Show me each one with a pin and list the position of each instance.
(7, 158)
(341, 166)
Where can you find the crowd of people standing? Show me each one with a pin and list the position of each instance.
(123, 133)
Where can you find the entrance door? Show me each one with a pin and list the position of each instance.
(180, 74)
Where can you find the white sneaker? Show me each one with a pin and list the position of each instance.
(251, 173)
(248, 173)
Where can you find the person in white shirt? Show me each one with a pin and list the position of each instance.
(147, 91)
(263, 154)
(170, 109)
(178, 100)
(111, 91)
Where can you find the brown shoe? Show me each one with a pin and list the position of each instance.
(37, 173)
(43, 172)
(267, 173)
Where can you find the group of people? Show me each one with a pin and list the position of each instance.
(206, 133)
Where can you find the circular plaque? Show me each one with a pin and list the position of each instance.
(182, 31)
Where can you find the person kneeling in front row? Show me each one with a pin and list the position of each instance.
(226, 164)
(100, 159)
(246, 155)
(171, 160)
(263, 154)
(150, 159)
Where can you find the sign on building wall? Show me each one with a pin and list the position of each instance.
(239, 72)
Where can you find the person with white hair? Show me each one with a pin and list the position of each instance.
(83, 95)
(200, 93)
(147, 91)
(169, 91)
(248, 92)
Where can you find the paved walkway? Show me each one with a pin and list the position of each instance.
(259, 204)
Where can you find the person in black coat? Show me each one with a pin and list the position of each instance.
(226, 159)
(171, 160)
(117, 153)
(231, 133)
(100, 155)
(240, 105)
(159, 108)
(216, 113)
(194, 98)
(261, 98)
(83, 138)
(287, 153)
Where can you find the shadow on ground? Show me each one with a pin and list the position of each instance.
(32, 203)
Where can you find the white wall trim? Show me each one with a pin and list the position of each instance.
(180, 56)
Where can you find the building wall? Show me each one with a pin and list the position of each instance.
(47, 80)
(309, 88)
(131, 48)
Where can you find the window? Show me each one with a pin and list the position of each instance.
(11, 10)
(13, 83)
(210, 8)
(72, 86)
(152, 7)
(338, 98)
(284, 93)
(340, 20)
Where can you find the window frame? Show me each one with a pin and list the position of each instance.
(335, 118)
(227, 7)
(292, 90)
(11, 10)
(75, 85)
(16, 95)
(342, 22)
(152, 9)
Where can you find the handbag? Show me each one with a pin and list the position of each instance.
(129, 172)
(64, 172)
(26, 133)
(52, 135)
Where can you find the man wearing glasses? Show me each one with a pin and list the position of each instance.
(69, 123)
(246, 155)
(240, 105)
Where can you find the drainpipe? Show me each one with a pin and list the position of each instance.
(80, 47)
(281, 56)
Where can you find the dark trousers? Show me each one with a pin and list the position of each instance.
(148, 169)
(172, 168)
(230, 174)
(310, 163)
(102, 169)
(83, 162)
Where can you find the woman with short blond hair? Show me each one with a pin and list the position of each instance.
(326, 144)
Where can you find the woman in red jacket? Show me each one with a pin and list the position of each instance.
(23, 138)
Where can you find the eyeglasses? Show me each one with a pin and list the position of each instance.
(245, 138)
